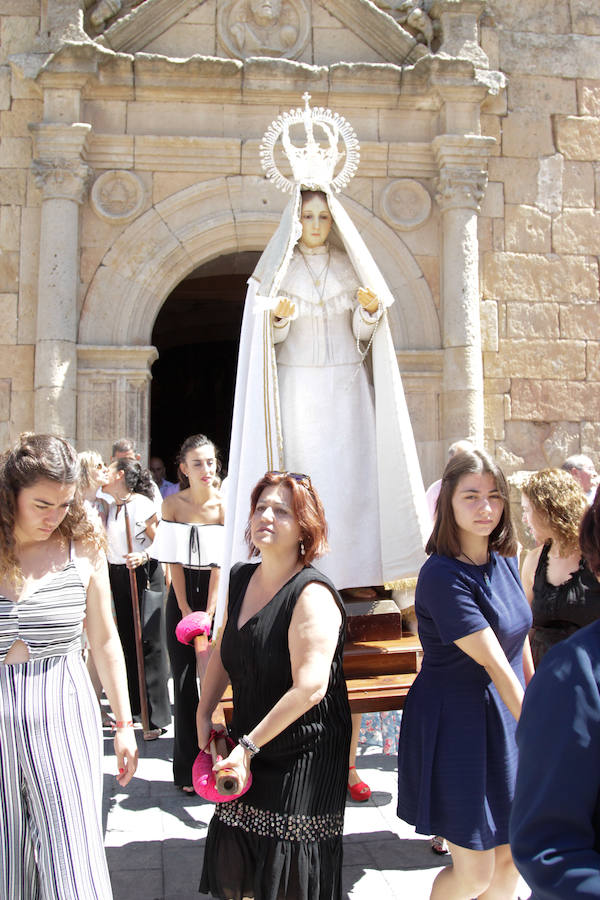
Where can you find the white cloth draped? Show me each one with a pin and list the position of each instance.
(193, 545)
(309, 405)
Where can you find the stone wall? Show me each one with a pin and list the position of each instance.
(540, 233)
(538, 229)
(20, 104)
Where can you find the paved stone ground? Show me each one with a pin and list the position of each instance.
(155, 835)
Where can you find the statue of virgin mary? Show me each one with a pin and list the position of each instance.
(318, 388)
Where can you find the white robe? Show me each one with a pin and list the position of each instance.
(314, 387)
(328, 410)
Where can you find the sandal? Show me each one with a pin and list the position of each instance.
(360, 791)
(186, 788)
(154, 733)
(439, 845)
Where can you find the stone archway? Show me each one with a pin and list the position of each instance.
(158, 250)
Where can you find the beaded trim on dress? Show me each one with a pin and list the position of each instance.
(265, 823)
(339, 293)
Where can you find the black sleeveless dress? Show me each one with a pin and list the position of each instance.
(560, 610)
(283, 839)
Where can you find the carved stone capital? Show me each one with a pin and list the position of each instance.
(62, 179)
(462, 163)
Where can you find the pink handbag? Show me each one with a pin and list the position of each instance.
(226, 786)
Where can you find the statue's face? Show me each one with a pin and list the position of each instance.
(316, 222)
(266, 10)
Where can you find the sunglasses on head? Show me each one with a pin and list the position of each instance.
(299, 477)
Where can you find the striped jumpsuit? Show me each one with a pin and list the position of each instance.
(51, 843)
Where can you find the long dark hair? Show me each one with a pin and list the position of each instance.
(193, 442)
(137, 479)
(444, 537)
(589, 535)
(33, 458)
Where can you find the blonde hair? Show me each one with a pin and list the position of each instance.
(89, 461)
(557, 498)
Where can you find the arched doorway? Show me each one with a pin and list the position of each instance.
(196, 334)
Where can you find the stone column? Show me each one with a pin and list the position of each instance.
(61, 173)
(462, 161)
(459, 21)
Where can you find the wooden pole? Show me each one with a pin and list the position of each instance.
(137, 627)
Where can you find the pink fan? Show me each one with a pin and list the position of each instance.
(192, 627)
(227, 785)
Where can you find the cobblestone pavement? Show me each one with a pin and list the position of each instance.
(155, 835)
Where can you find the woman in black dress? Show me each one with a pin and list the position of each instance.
(563, 593)
(282, 651)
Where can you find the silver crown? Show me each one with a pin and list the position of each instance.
(313, 166)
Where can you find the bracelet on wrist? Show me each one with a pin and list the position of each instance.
(119, 725)
(248, 745)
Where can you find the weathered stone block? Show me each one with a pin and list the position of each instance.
(537, 54)
(18, 34)
(21, 412)
(581, 322)
(4, 399)
(525, 440)
(326, 48)
(578, 137)
(9, 272)
(13, 187)
(519, 177)
(585, 17)
(16, 363)
(533, 320)
(15, 153)
(498, 235)
(488, 36)
(534, 16)
(14, 121)
(527, 134)
(527, 229)
(165, 184)
(550, 360)
(430, 267)
(4, 87)
(555, 401)
(8, 318)
(590, 439)
(578, 184)
(491, 127)
(189, 119)
(488, 310)
(484, 234)
(185, 39)
(106, 116)
(562, 441)
(550, 183)
(577, 231)
(493, 200)
(589, 98)
(10, 221)
(28, 275)
(493, 418)
(593, 362)
(548, 95)
(496, 385)
(517, 276)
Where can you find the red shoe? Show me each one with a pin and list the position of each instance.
(359, 792)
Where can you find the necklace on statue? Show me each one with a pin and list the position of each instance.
(316, 279)
(486, 577)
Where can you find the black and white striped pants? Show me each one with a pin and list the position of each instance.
(51, 845)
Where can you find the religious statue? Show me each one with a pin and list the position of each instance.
(318, 388)
(261, 29)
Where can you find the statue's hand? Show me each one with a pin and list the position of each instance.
(285, 309)
(367, 299)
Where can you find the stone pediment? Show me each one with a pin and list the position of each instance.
(317, 32)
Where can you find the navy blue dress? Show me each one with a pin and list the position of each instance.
(457, 755)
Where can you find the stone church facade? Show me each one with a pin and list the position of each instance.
(134, 207)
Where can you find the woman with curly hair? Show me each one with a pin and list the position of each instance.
(130, 490)
(53, 574)
(563, 593)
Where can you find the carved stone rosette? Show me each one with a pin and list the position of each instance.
(117, 196)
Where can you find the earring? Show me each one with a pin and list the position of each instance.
(302, 550)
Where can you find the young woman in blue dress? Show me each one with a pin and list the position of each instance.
(457, 754)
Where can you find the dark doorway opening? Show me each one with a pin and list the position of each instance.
(197, 335)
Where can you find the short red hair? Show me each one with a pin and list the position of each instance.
(307, 508)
